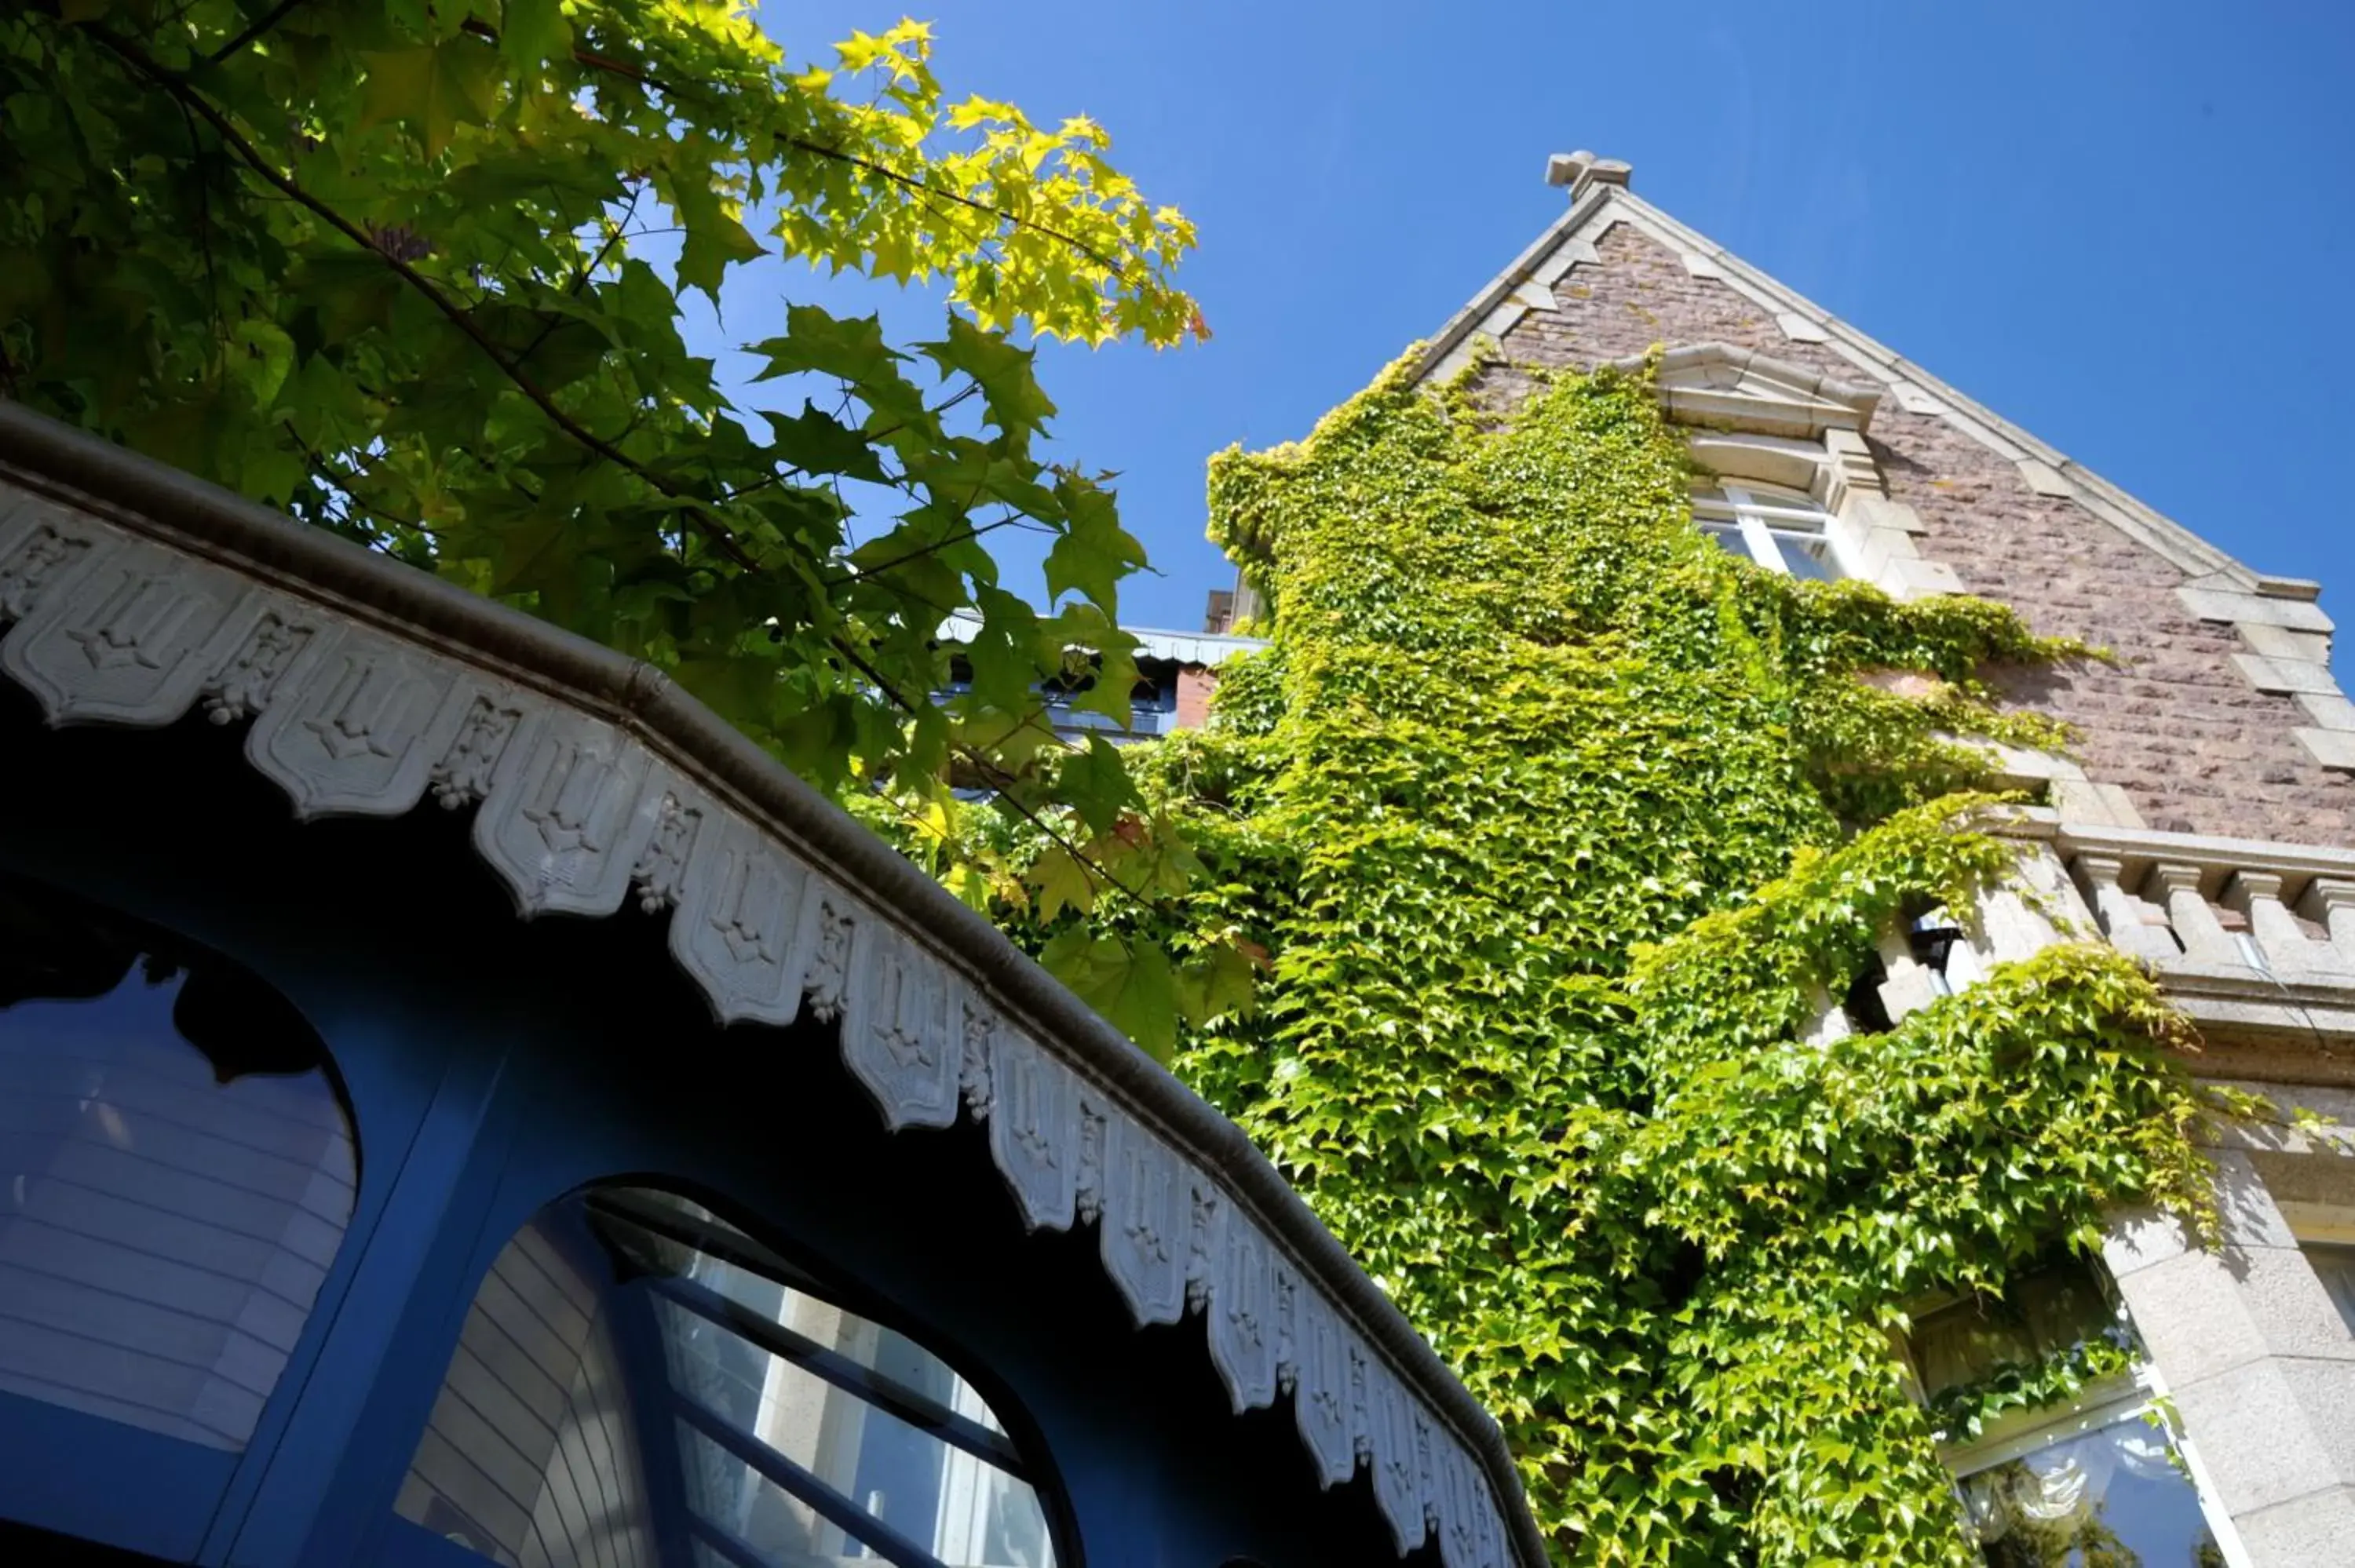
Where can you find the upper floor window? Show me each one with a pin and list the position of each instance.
(639, 1381)
(1782, 530)
(177, 1170)
(2102, 1478)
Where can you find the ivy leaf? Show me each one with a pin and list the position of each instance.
(435, 87)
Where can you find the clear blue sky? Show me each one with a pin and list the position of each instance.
(2128, 228)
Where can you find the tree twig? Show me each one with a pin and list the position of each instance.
(269, 19)
(719, 535)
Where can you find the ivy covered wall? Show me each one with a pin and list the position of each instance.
(1559, 827)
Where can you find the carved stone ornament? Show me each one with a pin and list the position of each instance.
(577, 814)
(1242, 1321)
(571, 806)
(902, 1030)
(1148, 1220)
(1390, 1446)
(1034, 1129)
(1323, 1402)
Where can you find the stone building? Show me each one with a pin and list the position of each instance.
(2205, 823)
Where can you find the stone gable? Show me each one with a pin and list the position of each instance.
(2177, 723)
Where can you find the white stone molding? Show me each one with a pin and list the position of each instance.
(578, 813)
(2248, 936)
(1324, 1404)
(1757, 418)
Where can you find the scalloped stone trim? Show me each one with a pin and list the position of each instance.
(575, 815)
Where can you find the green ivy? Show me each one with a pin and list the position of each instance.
(1558, 828)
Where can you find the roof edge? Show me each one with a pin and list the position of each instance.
(120, 492)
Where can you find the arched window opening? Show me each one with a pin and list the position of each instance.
(177, 1170)
(1780, 529)
(640, 1382)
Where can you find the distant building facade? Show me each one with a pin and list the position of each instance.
(1177, 672)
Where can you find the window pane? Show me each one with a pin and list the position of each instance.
(1729, 539)
(2116, 1496)
(531, 1456)
(176, 1173)
(1807, 556)
(2046, 1312)
(2335, 1266)
(691, 1351)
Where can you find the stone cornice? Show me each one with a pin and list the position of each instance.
(1718, 387)
(132, 595)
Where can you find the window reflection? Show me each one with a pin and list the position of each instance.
(176, 1173)
(742, 1417)
(1781, 530)
(2116, 1497)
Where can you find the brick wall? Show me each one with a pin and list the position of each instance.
(2196, 746)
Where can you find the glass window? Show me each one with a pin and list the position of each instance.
(2334, 1265)
(2098, 1483)
(1781, 530)
(2116, 1495)
(177, 1170)
(673, 1356)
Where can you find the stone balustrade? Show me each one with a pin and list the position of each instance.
(2200, 907)
(2252, 940)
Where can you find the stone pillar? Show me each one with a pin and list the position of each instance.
(2259, 1363)
(2289, 951)
(2331, 901)
(2204, 939)
(2121, 912)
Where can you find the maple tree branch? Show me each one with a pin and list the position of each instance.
(989, 771)
(592, 60)
(275, 15)
(715, 531)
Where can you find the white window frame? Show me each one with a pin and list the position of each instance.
(1757, 517)
(2139, 1393)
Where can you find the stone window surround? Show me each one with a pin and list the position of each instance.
(1754, 418)
(2261, 1363)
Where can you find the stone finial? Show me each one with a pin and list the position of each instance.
(1581, 171)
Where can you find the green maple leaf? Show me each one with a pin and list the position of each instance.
(435, 87)
(1131, 985)
(816, 340)
(816, 442)
(1061, 882)
(1094, 781)
(715, 237)
(532, 31)
(1010, 387)
(1095, 551)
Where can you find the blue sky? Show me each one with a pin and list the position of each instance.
(2128, 228)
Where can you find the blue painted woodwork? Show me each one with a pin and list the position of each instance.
(494, 1065)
